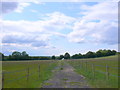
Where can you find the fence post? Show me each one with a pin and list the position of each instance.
(39, 71)
(86, 65)
(27, 74)
(93, 71)
(79, 64)
(107, 72)
(3, 80)
(82, 64)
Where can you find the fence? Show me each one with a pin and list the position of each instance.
(86, 66)
(27, 70)
(26, 76)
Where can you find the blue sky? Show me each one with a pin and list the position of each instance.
(53, 28)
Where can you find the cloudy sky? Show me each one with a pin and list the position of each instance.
(53, 28)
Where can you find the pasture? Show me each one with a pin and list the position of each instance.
(16, 73)
(99, 72)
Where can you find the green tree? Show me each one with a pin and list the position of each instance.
(99, 53)
(61, 56)
(1, 56)
(53, 57)
(90, 54)
(114, 52)
(16, 55)
(24, 55)
(67, 55)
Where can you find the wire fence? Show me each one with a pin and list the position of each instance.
(87, 65)
(82, 63)
(27, 75)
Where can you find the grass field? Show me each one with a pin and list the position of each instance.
(15, 73)
(95, 68)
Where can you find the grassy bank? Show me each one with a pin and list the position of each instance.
(15, 73)
(95, 69)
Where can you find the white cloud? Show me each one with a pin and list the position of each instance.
(35, 33)
(98, 25)
(21, 7)
(102, 11)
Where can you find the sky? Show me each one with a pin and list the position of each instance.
(53, 28)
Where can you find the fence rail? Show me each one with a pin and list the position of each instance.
(27, 75)
(27, 72)
(84, 64)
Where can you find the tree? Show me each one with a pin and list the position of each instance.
(53, 57)
(19, 56)
(61, 56)
(24, 55)
(99, 53)
(77, 56)
(67, 56)
(16, 55)
(90, 54)
(114, 52)
(1, 56)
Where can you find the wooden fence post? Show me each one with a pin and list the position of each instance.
(86, 65)
(39, 71)
(82, 64)
(93, 71)
(3, 80)
(107, 72)
(79, 65)
(27, 74)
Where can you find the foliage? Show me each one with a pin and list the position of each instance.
(60, 57)
(24, 56)
(67, 56)
(18, 56)
(77, 56)
(99, 53)
(53, 57)
(1, 56)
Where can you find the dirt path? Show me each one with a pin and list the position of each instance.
(65, 77)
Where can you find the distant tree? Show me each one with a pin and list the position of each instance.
(77, 56)
(1, 56)
(61, 56)
(67, 56)
(99, 53)
(44, 58)
(24, 55)
(10, 57)
(53, 57)
(16, 55)
(114, 52)
(90, 54)
(83, 56)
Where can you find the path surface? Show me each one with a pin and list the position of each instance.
(65, 77)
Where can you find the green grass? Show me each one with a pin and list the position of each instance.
(19, 79)
(100, 80)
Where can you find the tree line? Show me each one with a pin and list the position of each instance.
(24, 56)
(89, 54)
